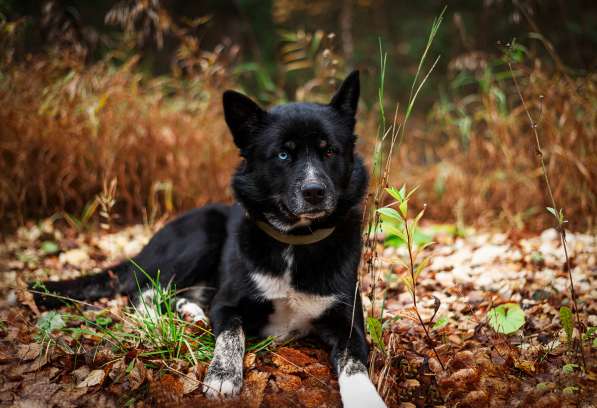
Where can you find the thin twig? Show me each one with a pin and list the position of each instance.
(414, 292)
(560, 223)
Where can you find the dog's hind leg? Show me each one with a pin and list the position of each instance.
(190, 310)
(192, 302)
(149, 304)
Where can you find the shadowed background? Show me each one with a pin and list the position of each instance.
(110, 111)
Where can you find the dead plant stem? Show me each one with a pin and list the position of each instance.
(560, 224)
(414, 292)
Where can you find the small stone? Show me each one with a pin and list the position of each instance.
(476, 297)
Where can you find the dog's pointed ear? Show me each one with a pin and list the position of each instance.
(242, 115)
(346, 98)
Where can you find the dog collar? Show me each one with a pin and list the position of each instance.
(315, 236)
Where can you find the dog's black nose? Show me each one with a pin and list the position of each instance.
(313, 192)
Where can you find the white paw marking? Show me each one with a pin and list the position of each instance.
(216, 387)
(146, 305)
(189, 309)
(356, 389)
(224, 376)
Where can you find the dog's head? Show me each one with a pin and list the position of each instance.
(299, 166)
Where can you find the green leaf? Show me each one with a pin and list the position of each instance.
(408, 282)
(425, 245)
(50, 321)
(394, 241)
(420, 238)
(552, 211)
(506, 318)
(570, 390)
(404, 208)
(395, 194)
(420, 267)
(591, 331)
(390, 214)
(103, 320)
(402, 191)
(569, 368)
(595, 342)
(439, 323)
(566, 320)
(375, 331)
(418, 217)
(49, 247)
(130, 367)
(392, 229)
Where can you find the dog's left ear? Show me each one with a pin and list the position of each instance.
(346, 98)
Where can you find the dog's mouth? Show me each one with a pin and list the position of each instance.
(287, 219)
(312, 215)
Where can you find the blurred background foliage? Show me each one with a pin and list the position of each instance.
(97, 90)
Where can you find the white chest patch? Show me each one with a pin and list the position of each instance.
(294, 311)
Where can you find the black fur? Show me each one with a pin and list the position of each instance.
(299, 172)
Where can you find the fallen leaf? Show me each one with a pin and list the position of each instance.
(477, 398)
(95, 377)
(27, 352)
(36, 364)
(411, 383)
(81, 373)
(319, 371)
(25, 297)
(118, 371)
(189, 382)
(526, 366)
(249, 361)
(313, 397)
(254, 388)
(30, 403)
(167, 391)
(288, 382)
(137, 373)
(291, 360)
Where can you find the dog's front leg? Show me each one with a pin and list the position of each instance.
(224, 378)
(349, 356)
(356, 389)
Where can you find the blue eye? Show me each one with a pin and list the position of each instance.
(283, 156)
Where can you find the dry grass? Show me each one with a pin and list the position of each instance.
(69, 128)
(476, 162)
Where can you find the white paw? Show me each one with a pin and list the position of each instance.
(190, 310)
(356, 389)
(146, 306)
(224, 377)
(219, 386)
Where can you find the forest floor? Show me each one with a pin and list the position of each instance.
(98, 355)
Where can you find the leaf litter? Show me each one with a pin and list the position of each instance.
(470, 286)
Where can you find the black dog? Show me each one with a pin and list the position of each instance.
(282, 261)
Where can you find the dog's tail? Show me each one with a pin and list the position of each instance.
(107, 283)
